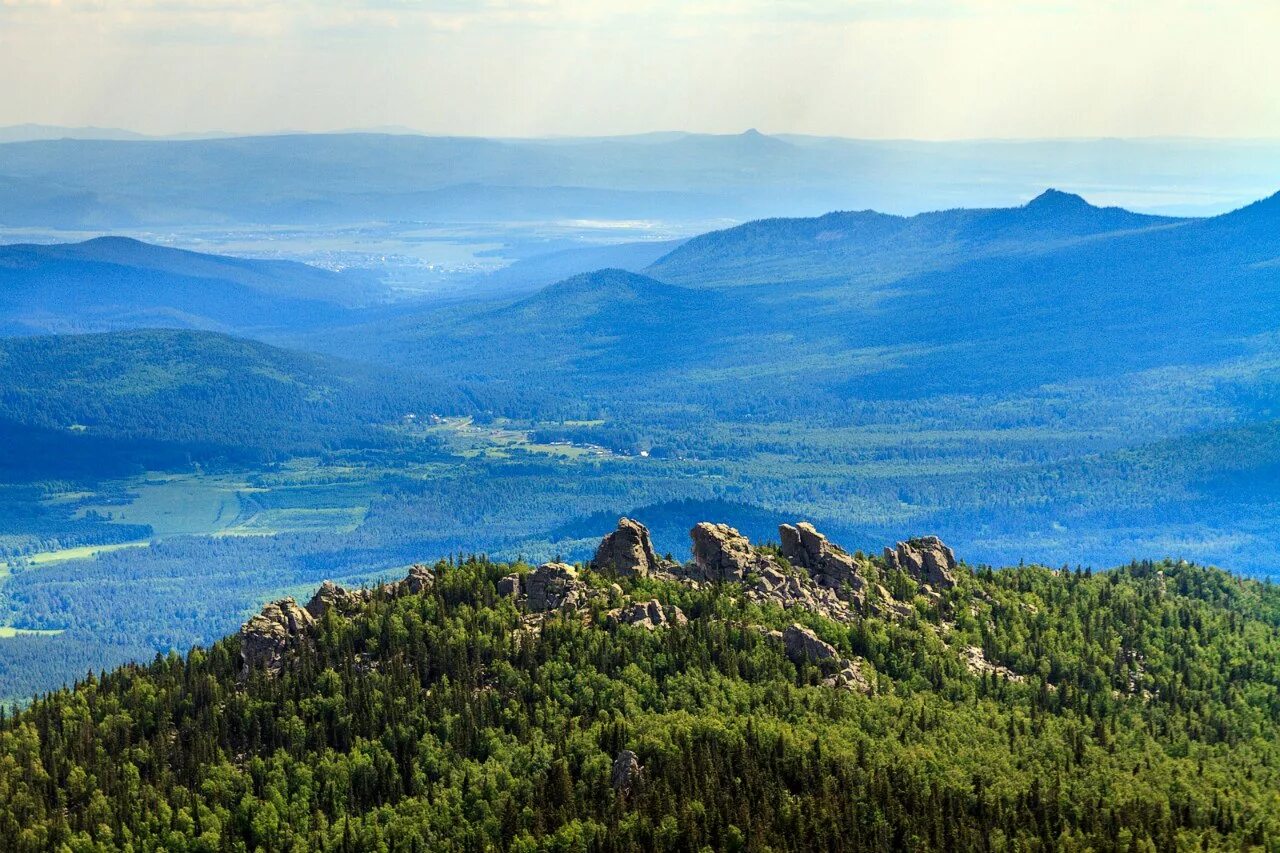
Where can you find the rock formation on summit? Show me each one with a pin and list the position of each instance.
(627, 551)
(721, 553)
(331, 596)
(827, 562)
(926, 559)
(553, 586)
(267, 637)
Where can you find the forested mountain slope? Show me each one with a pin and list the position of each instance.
(793, 697)
(113, 283)
(871, 247)
(160, 396)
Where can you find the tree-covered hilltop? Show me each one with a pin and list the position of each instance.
(785, 697)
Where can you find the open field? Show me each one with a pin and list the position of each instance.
(7, 631)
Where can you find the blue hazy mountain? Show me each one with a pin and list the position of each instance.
(84, 406)
(354, 177)
(116, 283)
(867, 246)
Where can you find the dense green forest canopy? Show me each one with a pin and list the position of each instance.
(1134, 709)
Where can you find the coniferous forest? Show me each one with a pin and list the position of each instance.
(1136, 709)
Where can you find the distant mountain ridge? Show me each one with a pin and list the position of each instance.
(360, 177)
(871, 246)
(111, 283)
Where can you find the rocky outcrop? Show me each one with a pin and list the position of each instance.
(825, 561)
(553, 586)
(509, 586)
(648, 614)
(627, 551)
(926, 559)
(773, 586)
(417, 581)
(627, 771)
(721, 553)
(849, 677)
(330, 596)
(802, 644)
(976, 662)
(268, 637)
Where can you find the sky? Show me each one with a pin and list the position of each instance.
(923, 69)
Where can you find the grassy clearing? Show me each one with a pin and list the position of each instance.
(83, 552)
(9, 631)
(298, 519)
(180, 504)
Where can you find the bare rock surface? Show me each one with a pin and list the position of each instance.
(330, 596)
(926, 559)
(626, 772)
(648, 614)
(827, 562)
(553, 586)
(721, 553)
(802, 644)
(268, 637)
(627, 551)
(977, 663)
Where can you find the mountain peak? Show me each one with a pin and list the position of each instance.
(1052, 199)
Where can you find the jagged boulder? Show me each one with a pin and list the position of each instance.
(553, 586)
(626, 772)
(926, 559)
(509, 586)
(648, 614)
(721, 553)
(331, 596)
(802, 644)
(267, 638)
(850, 677)
(627, 551)
(418, 580)
(828, 563)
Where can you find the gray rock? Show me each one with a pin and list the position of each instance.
(721, 553)
(802, 644)
(268, 637)
(627, 771)
(419, 579)
(827, 562)
(553, 586)
(627, 551)
(330, 596)
(509, 586)
(648, 614)
(850, 677)
(926, 559)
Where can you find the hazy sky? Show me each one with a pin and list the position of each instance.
(868, 68)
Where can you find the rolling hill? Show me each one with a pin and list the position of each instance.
(112, 283)
(93, 404)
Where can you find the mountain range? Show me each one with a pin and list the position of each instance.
(362, 177)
